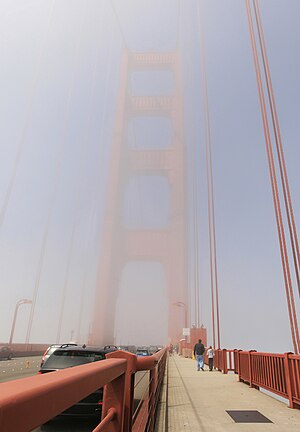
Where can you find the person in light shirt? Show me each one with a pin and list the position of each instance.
(210, 354)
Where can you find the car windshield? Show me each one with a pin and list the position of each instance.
(61, 359)
(142, 353)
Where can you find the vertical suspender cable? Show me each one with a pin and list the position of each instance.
(65, 288)
(210, 249)
(55, 191)
(277, 207)
(213, 219)
(205, 114)
(85, 273)
(179, 44)
(27, 118)
(196, 296)
(86, 140)
(210, 192)
(279, 147)
(195, 236)
(197, 285)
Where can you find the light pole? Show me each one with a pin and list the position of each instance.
(19, 303)
(182, 304)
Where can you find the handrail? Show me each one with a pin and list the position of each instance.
(278, 373)
(29, 402)
(143, 418)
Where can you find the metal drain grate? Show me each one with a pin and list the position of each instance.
(248, 417)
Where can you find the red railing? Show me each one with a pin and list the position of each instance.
(224, 360)
(278, 373)
(142, 416)
(29, 402)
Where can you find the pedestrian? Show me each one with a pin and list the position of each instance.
(210, 355)
(198, 353)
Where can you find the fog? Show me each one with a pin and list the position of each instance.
(62, 75)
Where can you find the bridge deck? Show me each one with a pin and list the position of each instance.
(198, 401)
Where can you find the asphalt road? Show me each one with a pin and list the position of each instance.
(26, 366)
(19, 367)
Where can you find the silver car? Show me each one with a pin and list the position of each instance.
(50, 350)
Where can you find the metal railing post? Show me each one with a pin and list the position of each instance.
(129, 385)
(250, 368)
(224, 358)
(238, 364)
(113, 406)
(235, 361)
(288, 379)
(152, 393)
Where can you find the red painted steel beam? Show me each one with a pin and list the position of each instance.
(148, 363)
(107, 421)
(129, 385)
(134, 364)
(27, 403)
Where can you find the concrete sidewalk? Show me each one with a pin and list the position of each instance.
(197, 401)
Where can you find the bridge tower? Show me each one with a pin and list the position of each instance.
(121, 245)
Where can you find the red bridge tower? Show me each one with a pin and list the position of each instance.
(121, 245)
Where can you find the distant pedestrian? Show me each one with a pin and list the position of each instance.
(210, 355)
(199, 350)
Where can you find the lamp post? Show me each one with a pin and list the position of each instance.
(19, 303)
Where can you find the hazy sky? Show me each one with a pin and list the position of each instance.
(59, 78)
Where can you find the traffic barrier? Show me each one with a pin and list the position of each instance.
(29, 402)
(26, 350)
(142, 416)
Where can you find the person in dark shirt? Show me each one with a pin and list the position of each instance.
(199, 350)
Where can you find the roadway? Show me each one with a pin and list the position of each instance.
(19, 367)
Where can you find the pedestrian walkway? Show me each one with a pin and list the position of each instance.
(199, 401)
